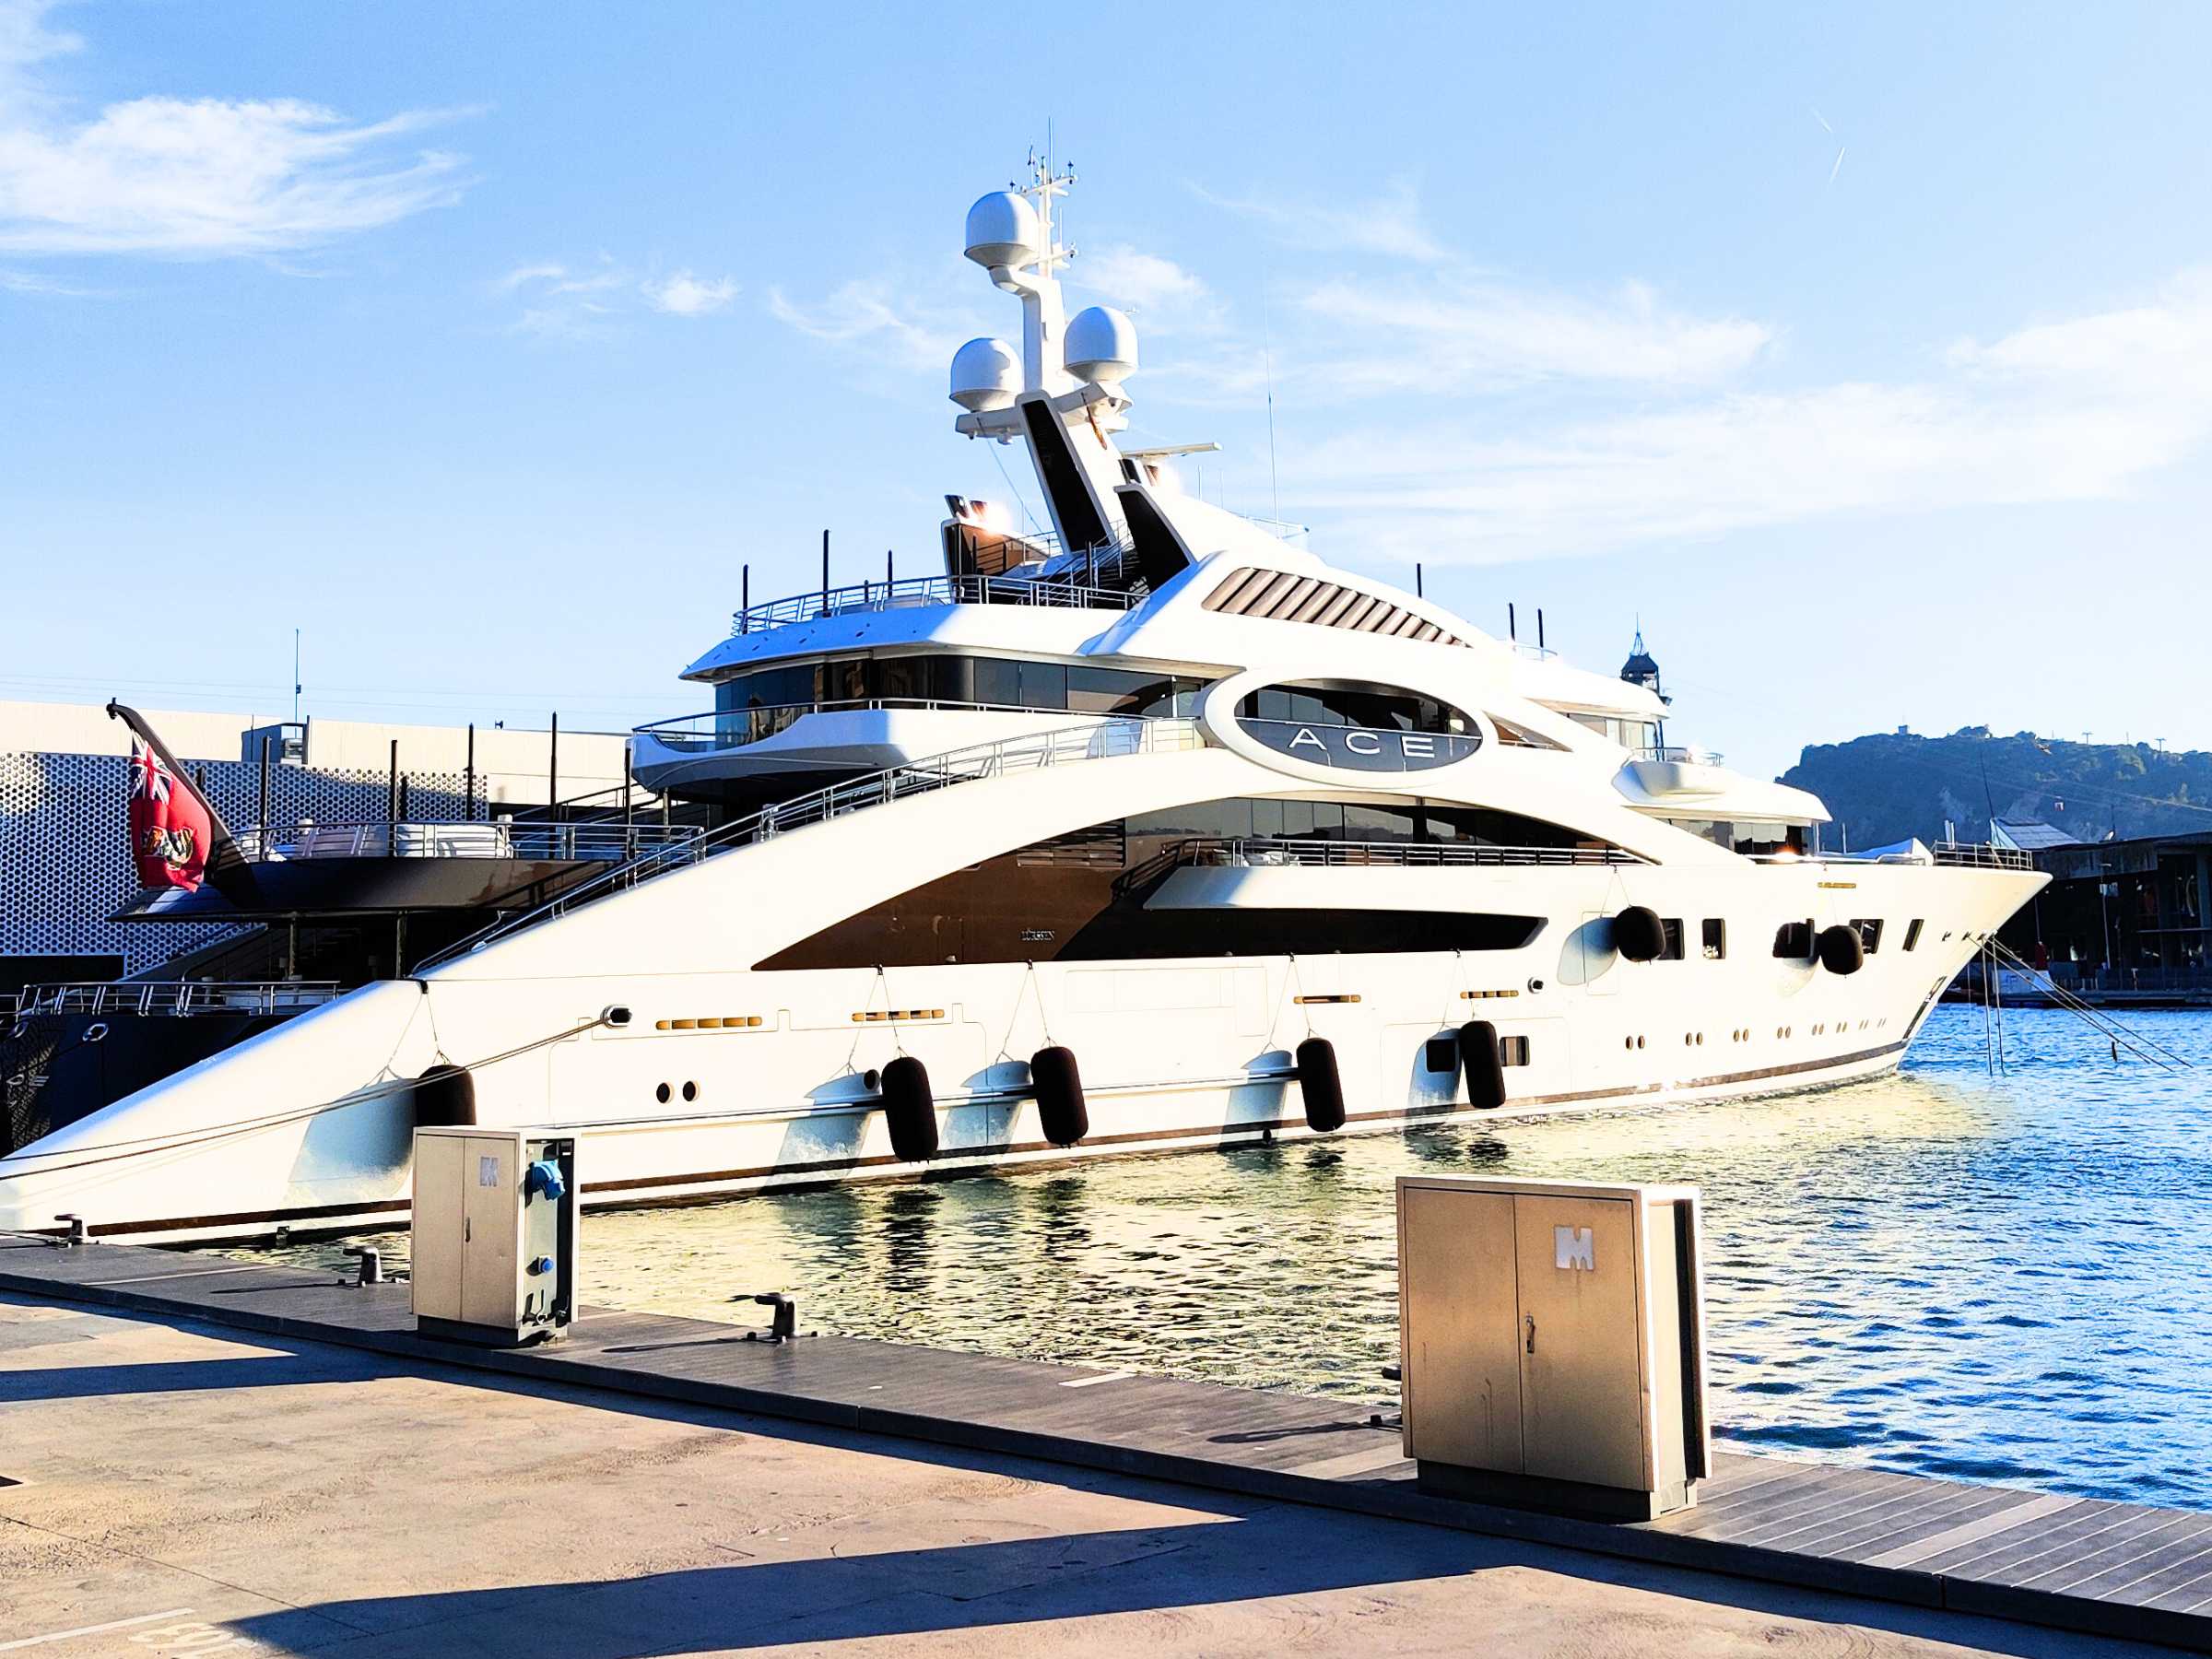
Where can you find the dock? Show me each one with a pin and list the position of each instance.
(2077, 1564)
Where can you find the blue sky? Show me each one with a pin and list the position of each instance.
(485, 343)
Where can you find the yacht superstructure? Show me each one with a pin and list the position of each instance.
(1150, 829)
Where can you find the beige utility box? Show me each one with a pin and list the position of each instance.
(1552, 1343)
(494, 1234)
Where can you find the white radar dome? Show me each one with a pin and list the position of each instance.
(985, 375)
(1002, 229)
(1101, 344)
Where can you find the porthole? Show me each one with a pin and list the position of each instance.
(1628, 1042)
(660, 1094)
(690, 1091)
(1700, 1040)
(1639, 1042)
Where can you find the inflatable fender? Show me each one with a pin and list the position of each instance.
(911, 1109)
(1318, 1080)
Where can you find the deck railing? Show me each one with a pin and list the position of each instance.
(1116, 736)
(1262, 852)
(733, 728)
(1679, 755)
(1983, 855)
(173, 997)
(598, 840)
(911, 592)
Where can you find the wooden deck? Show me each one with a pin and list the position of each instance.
(2076, 1563)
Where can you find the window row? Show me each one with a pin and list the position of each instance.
(1373, 708)
(950, 677)
(1628, 734)
(1751, 837)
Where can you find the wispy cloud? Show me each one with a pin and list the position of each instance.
(2082, 410)
(196, 178)
(863, 313)
(1463, 336)
(1155, 290)
(30, 282)
(1390, 224)
(685, 295)
(560, 301)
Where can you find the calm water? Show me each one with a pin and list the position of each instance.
(1996, 1278)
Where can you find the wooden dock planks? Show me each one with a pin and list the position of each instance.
(2079, 1563)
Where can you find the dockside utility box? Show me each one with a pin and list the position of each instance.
(494, 1244)
(1553, 1344)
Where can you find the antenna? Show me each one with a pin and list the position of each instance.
(1417, 581)
(1513, 628)
(1267, 359)
(296, 678)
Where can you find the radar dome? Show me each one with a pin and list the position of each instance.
(1101, 344)
(985, 375)
(1002, 229)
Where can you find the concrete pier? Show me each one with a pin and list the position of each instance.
(217, 1457)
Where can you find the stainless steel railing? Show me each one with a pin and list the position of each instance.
(1983, 855)
(596, 840)
(856, 598)
(1679, 755)
(1262, 852)
(733, 728)
(174, 998)
(1118, 735)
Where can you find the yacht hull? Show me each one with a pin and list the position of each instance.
(716, 1085)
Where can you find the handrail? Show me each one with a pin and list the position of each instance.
(1263, 850)
(1117, 734)
(719, 723)
(918, 590)
(1983, 855)
(172, 997)
(589, 841)
(1678, 753)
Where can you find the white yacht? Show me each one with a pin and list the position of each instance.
(1150, 829)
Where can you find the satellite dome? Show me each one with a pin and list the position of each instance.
(1002, 229)
(1101, 344)
(985, 374)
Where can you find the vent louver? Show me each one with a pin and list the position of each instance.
(1285, 596)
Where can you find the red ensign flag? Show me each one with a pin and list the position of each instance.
(169, 830)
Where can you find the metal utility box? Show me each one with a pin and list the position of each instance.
(1552, 1343)
(494, 1240)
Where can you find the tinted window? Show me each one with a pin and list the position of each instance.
(1794, 940)
(1715, 938)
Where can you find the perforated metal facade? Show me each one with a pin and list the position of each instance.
(65, 850)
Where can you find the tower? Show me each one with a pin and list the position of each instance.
(1641, 670)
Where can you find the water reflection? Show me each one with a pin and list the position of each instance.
(1987, 1277)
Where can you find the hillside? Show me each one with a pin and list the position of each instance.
(1897, 784)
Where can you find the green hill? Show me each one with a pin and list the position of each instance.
(1897, 784)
